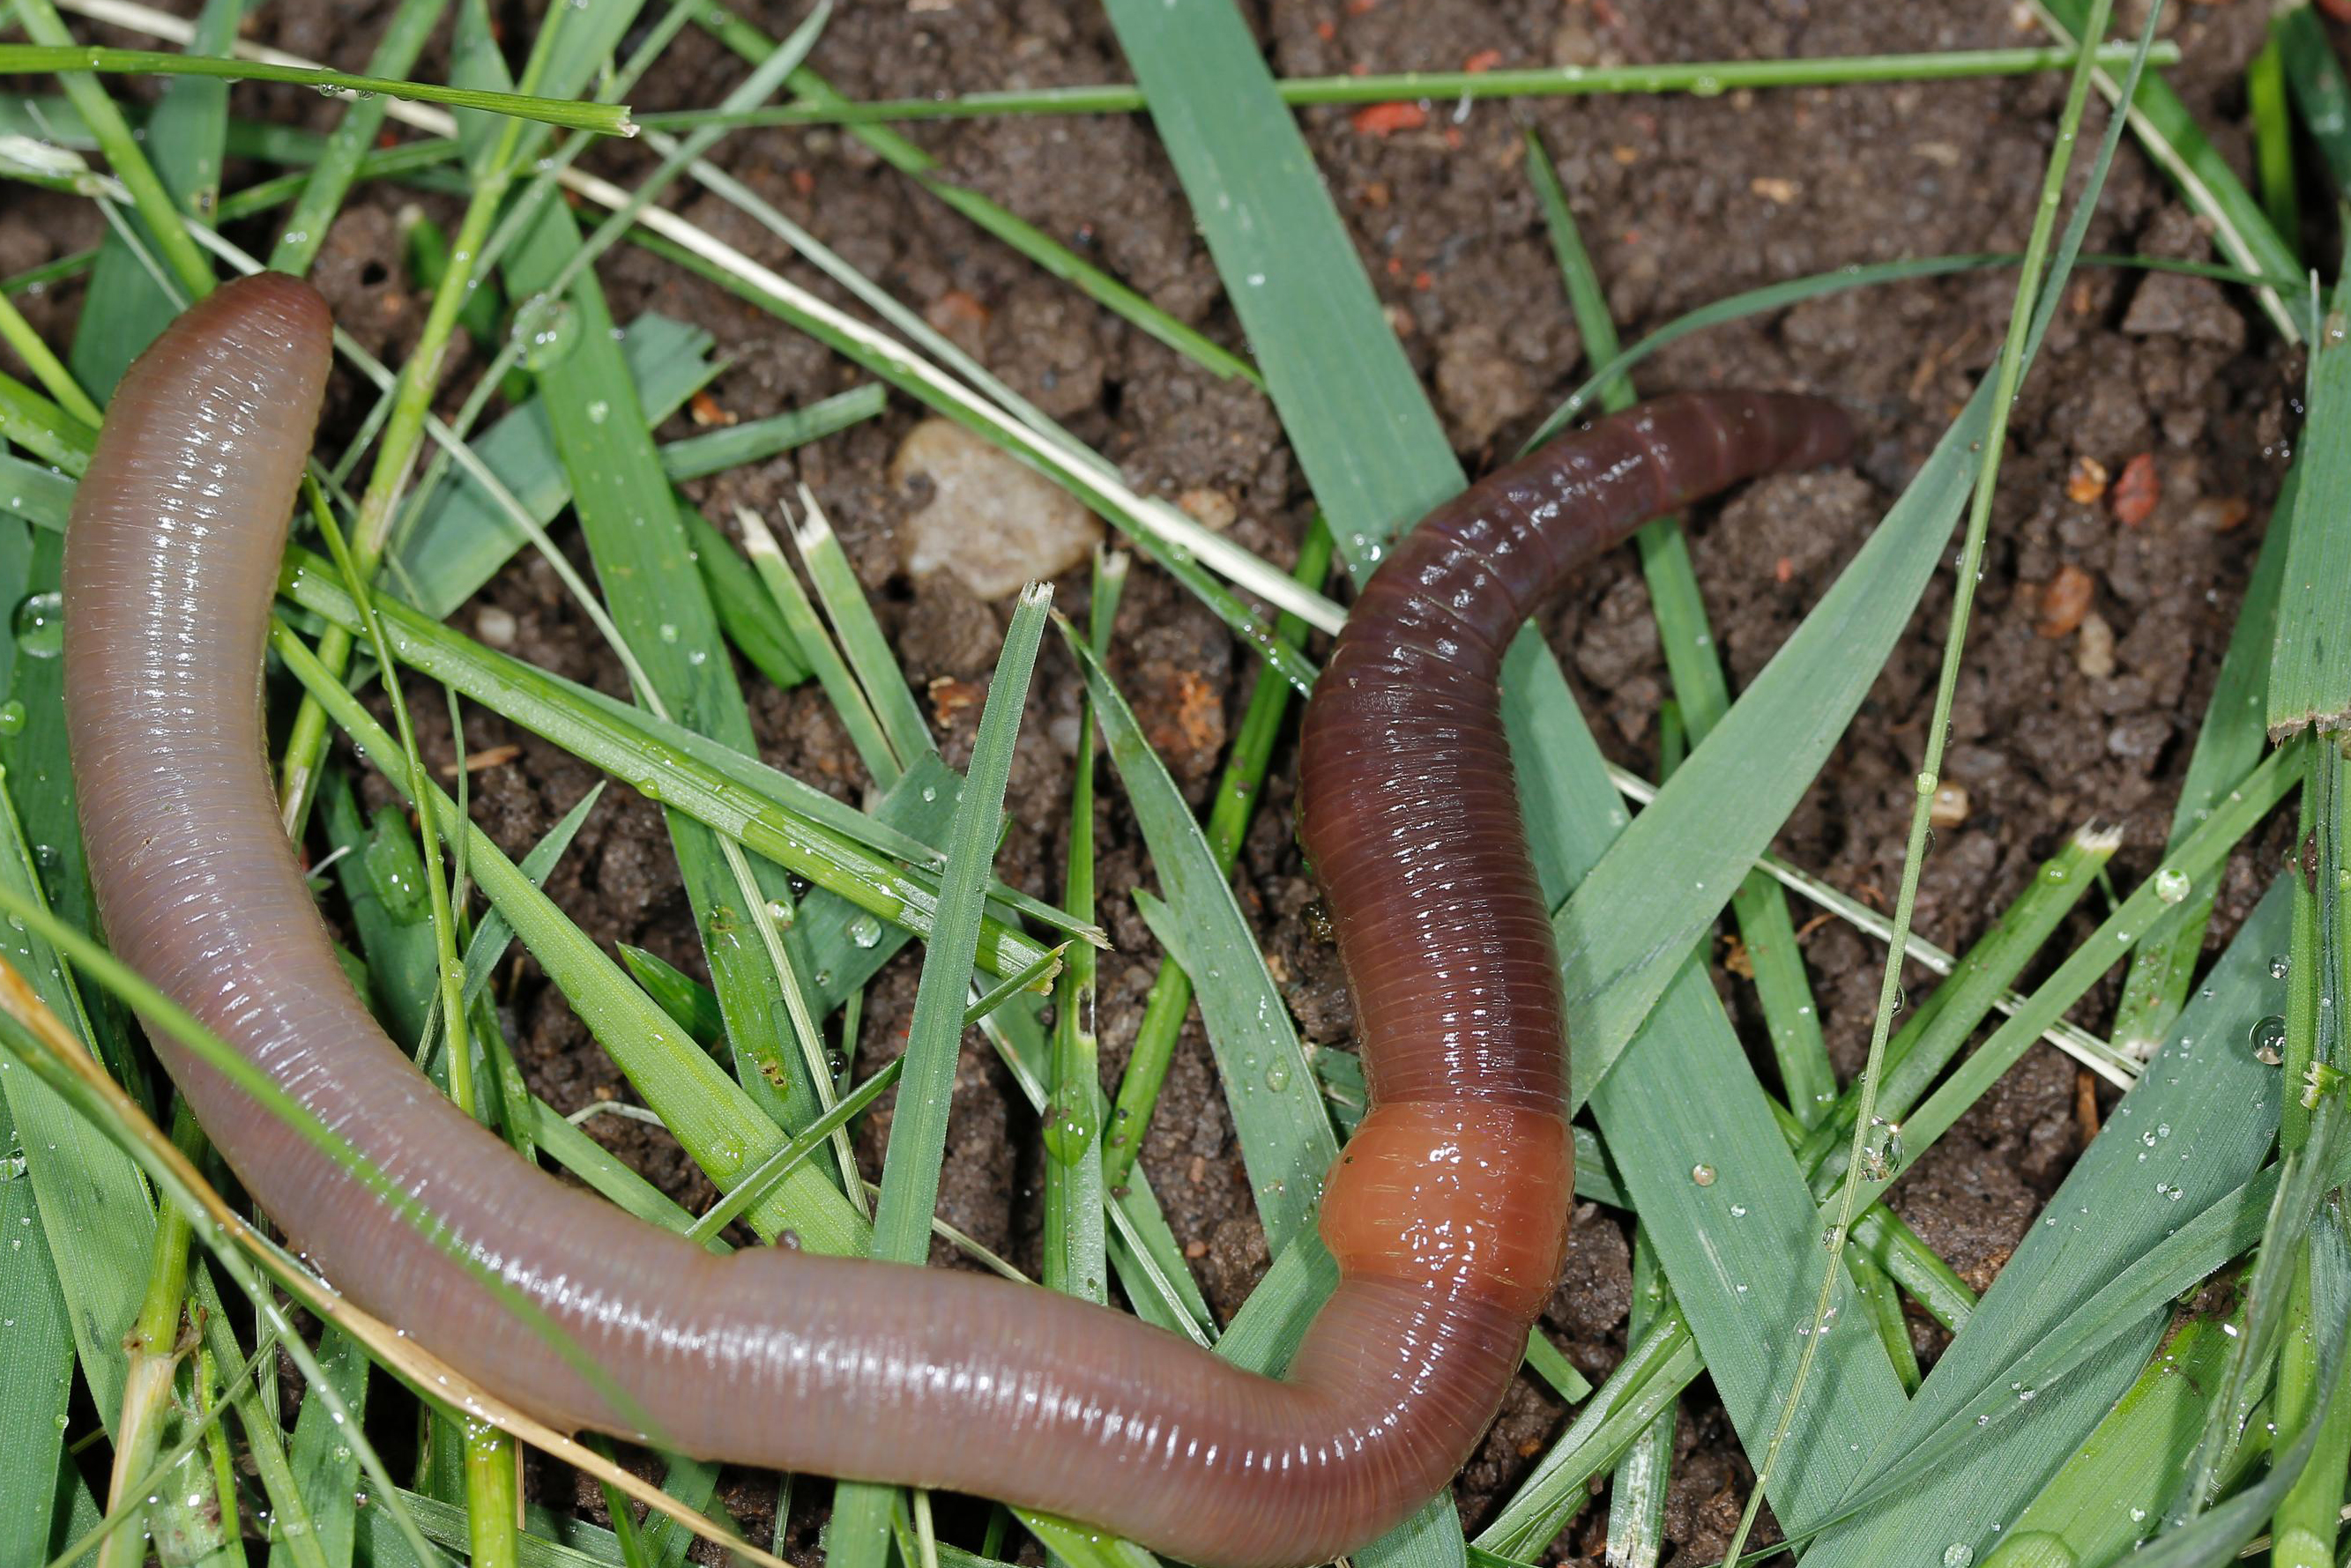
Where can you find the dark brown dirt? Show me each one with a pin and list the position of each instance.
(2095, 640)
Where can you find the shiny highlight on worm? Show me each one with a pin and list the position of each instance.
(1447, 1213)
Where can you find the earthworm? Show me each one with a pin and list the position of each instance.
(1447, 1212)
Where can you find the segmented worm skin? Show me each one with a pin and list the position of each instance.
(1447, 1213)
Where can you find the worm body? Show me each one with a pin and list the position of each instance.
(1447, 1213)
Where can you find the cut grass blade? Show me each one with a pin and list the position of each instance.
(602, 119)
(817, 649)
(910, 1174)
(863, 641)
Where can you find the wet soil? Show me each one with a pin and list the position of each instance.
(2097, 625)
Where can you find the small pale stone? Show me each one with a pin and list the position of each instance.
(496, 626)
(2093, 654)
(1950, 806)
(990, 521)
(1212, 509)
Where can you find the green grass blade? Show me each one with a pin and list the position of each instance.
(40, 1360)
(2229, 744)
(756, 439)
(658, 602)
(149, 192)
(325, 1465)
(746, 613)
(1694, 662)
(1076, 1244)
(1169, 1001)
(305, 228)
(461, 538)
(604, 119)
(2098, 1505)
(2175, 1156)
(2310, 680)
(2308, 1522)
(96, 1214)
(910, 1174)
(680, 995)
(2320, 91)
(1657, 1367)
(2169, 133)
(721, 785)
(1284, 1132)
(1039, 247)
(2265, 100)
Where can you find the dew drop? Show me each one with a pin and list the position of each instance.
(40, 625)
(2268, 1040)
(1703, 1175)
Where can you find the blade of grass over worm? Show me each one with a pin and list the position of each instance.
(910, 1171)
(41, 1045)
(1373, 452)
(771, 813)
(96, 1216)
(817, 649)
(1277, 1117)
(708, 1111)
(2192, 1132)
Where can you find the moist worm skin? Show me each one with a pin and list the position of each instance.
(1448, 1211)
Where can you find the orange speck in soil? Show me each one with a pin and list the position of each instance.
(1386, 119)
(2136, 492)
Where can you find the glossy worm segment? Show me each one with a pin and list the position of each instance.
(1447, 1210)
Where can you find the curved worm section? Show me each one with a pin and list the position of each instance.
(1448, 1211)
